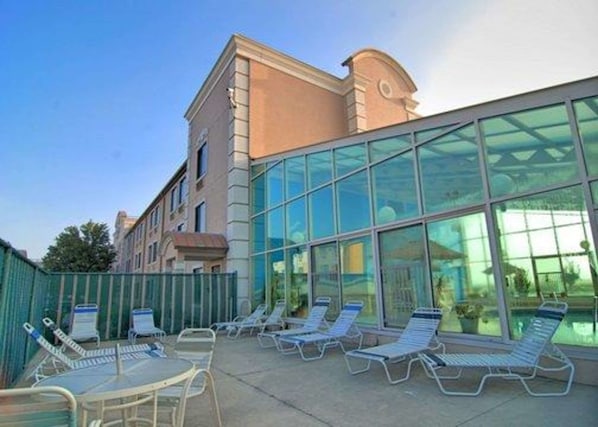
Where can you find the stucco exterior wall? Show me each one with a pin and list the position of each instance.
(288, 113)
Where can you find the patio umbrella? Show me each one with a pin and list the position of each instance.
(415, 250)
(508, 269)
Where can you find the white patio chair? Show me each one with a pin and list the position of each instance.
(522, 363)
(343, 328)
(314, 321)
(62, 362)
(107, 351)
(241, 323)
(35, 407)
(197, 346)
(84, 323)
(418, 335)
(143, 325)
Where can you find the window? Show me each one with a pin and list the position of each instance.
(155, 217)
(182, 190)
(180, 227)
(202, 161)
(200, 218)
(152, 252)
(173, 199)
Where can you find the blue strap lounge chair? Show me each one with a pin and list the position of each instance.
(314, 322)
(418, 335)
(142, 320)
(235, 327)
(522, 363)
(107, 351)
(343, 328)
(84, 323)
(34, 407)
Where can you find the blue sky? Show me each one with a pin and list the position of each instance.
(93, 92)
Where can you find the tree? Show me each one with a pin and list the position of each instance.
(83, 249)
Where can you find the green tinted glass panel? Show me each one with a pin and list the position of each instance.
(424, 135)
(459, 254)
(296, 230)
(450, 171)
(404, 274)
(549, 254)
(529, 150)
(258, 233)
(275, 236)
(383, 148)
(586, 113)
(349, 159)
(276, 276)
(258, 279)
(357, 276)
(393, 184)
(274, 185)
(325, 276)
(353, 203)
(258, 194)
(321, 209)
(594, 187)
(257, 169)
(297, 289)
(294, 176)
(319, 168)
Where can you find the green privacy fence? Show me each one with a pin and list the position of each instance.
(28, 293)
(23, 292)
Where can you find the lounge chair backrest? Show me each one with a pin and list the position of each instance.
(24, 407)
(276, 315)
(346, 318)
(540, 331)
(143, 319)
(317, 313)
(257, 314)
(85, 319)
(422, 326)
(62, 336)
(43, 343)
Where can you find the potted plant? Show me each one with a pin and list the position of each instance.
(469, 314)
(521, 281)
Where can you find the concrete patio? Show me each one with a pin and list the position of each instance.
(260, 387)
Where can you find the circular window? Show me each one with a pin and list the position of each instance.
(385, 88)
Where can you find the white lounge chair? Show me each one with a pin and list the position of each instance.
(66, 362)
(418, 335)
(142, 320)
(522, 363)
(275, 319)
(196, 345)
(34, 407)
(241, 323)
(84, 323)
(343, 328)
(107, 351)
(314, 321)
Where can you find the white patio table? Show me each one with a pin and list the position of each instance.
(139, 382)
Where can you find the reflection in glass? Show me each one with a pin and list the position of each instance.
(296, 231)
(324, 276)
(276, 276)
(586, 113)
(357, 276)
(383, 148)
(353, 202)
(450, 171)
(298, 296)
(348, 159)
(258, 280)
(404, 274)
(552, 257)
(274, 185)
(294, 172)
(275, 236)
(321, 209)
(462, 279)
(424, 135)
(258, 233)
(594, 187)
(393, 188)
(258, 194)
(319, 168)
(528, 150)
